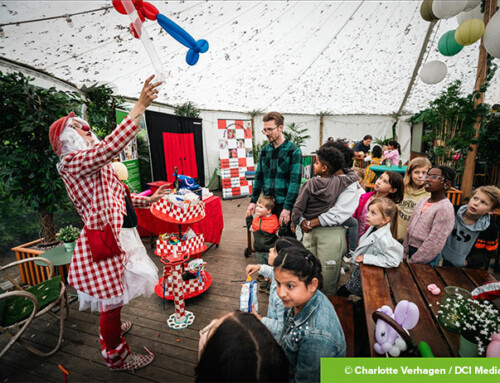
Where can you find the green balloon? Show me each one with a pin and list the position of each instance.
(447, 45)
(426, 11)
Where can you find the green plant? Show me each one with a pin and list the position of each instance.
(188, 109)
(101, 109)
(295, 134)
(28, 164)
(382, 141)
(476, 320)
(68, 234)
(144, 162)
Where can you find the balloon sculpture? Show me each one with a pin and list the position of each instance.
(406, 314)
(139, 11)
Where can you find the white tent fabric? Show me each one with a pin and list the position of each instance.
(303, 57)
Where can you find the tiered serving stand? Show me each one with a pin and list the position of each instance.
(171, 285)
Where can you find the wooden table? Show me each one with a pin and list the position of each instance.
(409, 281)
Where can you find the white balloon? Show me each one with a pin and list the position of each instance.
(433, 72)
(473, 14)
(471, 4)
(121, 170)
(444, 9)
(491, 37)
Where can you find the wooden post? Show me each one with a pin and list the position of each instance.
(321, 124)
(470, 160)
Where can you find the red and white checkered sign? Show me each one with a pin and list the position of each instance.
(169, 212)
(192, 245)
(236, 156)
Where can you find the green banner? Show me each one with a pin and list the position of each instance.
(386, 370)
(129, 158)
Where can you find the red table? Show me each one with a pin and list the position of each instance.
(211, 227)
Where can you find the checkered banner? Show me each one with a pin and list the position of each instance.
(191, 245)
(236, 157)
(190, 286)
(168, 210)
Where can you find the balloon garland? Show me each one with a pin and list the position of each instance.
(139, 11)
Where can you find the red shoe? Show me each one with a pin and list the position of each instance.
(126, 326)
(135, 362)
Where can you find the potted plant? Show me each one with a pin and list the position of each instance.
(69, 235)
(475, 320)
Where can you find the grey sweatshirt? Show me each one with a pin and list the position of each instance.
(319, 194)
(463, 237)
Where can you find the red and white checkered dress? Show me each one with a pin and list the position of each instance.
(99, 198)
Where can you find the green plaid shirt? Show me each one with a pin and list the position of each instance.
(279, 173)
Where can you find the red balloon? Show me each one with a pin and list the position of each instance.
(149, 11)
(141, 16)
(117, 4)
(137, 4)
(133, 31)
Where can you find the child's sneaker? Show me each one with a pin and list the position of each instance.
(268, 288)
(260, 278)
(135, 362)
(126, 326)
(263, 286)
(348, 258)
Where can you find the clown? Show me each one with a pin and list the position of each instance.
(106, 280)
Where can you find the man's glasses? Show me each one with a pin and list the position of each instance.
(269, 130)
(433, 177)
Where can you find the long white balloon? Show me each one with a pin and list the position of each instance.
(145, 40)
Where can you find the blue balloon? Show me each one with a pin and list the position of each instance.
(174, 30)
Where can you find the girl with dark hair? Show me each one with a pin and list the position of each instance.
(389, 185)
(432, 220)
(392, 152)
(375, 159)
(275, 310)
(238, 348)
(312, 329)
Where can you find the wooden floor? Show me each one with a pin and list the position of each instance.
(175, 351)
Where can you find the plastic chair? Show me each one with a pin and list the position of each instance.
(20, 307)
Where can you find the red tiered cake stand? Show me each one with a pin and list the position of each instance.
(174, 257)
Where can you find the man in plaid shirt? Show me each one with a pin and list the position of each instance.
(279, 171)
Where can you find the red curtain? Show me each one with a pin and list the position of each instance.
(179, 151)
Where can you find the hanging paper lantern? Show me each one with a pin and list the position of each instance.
(472, 14)
(433, 72)
(447, 44)
(471, 4)
(469, 31)
(444, 9)
(426, 11)
(491, 37)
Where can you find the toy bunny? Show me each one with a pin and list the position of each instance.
(406, 315)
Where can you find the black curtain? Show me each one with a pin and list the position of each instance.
(160, 123)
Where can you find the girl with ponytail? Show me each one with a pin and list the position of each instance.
(312, 329)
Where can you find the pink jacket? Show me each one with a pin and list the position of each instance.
(392, 155)
(362, 202)
(428, 231)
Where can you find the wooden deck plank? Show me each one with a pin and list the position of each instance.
(176, 351)
(404, 287)
(452, 278)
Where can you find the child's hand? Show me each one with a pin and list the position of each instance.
(252, 269)
(360, 258)
(254, 312)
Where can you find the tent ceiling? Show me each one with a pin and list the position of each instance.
(351, 57)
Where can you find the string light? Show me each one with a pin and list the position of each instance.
(67, 17)
(69, 21)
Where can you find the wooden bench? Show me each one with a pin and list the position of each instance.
(345, 311)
